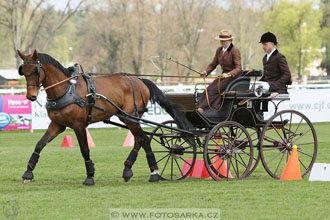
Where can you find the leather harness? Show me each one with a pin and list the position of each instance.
(70, 96)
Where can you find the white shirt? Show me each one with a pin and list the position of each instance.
(225, 49)
(269, 54)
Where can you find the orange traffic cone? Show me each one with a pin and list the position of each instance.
(89, 139)
(199, 169)
(67, 141)
(292, 168)
(186, 167)
(129, 141)
(223, 169)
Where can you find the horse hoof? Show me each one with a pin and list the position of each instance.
(27, 176)
(127, 174)
(26, 180)
(89, 181)
(155, 178)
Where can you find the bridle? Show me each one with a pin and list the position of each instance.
(36, 71)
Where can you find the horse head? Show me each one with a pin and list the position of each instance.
(33, 72)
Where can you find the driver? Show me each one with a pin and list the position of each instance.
(229, 58)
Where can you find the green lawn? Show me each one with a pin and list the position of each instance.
(57, 191)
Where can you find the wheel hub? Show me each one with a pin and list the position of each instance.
(229, 152)
(176, 151)
(289, 146)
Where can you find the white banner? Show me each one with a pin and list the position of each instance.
(315, 104)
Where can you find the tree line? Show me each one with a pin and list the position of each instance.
(139, 36)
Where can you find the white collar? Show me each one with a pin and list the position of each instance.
(269, 54)
(225, 49)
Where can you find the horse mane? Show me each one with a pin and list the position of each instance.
(47, 59)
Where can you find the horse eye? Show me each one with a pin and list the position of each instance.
(20, 71)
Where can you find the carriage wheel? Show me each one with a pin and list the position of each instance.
(255, 137)
(228, 151)
(281, 132)
(174, 155)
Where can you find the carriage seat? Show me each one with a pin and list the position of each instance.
(240, 84)
(254, 73)
(239, 87)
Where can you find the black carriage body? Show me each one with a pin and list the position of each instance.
(231, 110)
(234, 138)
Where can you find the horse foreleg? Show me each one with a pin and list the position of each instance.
(52, 131)
(82, 139)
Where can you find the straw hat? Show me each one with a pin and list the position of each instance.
(225, 34)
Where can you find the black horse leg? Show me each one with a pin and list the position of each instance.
(52, 131)
(136, 131)
(141, 140)
(82, 139)
(127, 173)
(154, 177)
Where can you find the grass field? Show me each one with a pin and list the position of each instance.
(57, 191)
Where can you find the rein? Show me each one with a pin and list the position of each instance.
(127, 74)
(51, 86)
(150, 75)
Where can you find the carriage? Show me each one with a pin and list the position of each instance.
(235, 138)
(232, 140)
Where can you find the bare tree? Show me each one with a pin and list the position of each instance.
(190, 19)
(246, 18)
(161, 13)
(25, 19)
(134, 23)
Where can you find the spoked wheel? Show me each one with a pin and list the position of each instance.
(228, 151)
(175, 156)
(281, 132)
(255, 136)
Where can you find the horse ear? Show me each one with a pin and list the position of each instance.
(35, 55)
(20, 71)
(22, 56)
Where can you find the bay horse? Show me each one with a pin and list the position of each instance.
(127, 92)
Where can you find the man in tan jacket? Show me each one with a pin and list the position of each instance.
(229, 58)
(276, 69)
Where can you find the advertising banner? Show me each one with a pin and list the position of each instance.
(314, 103)
(15, 112)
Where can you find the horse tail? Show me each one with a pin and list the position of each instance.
(156, 95)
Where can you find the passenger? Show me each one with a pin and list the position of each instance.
(229, 59)
(276, 69)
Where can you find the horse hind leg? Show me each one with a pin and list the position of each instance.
(127, 173)
(52, 131)
(154, 176)
(141, 140)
